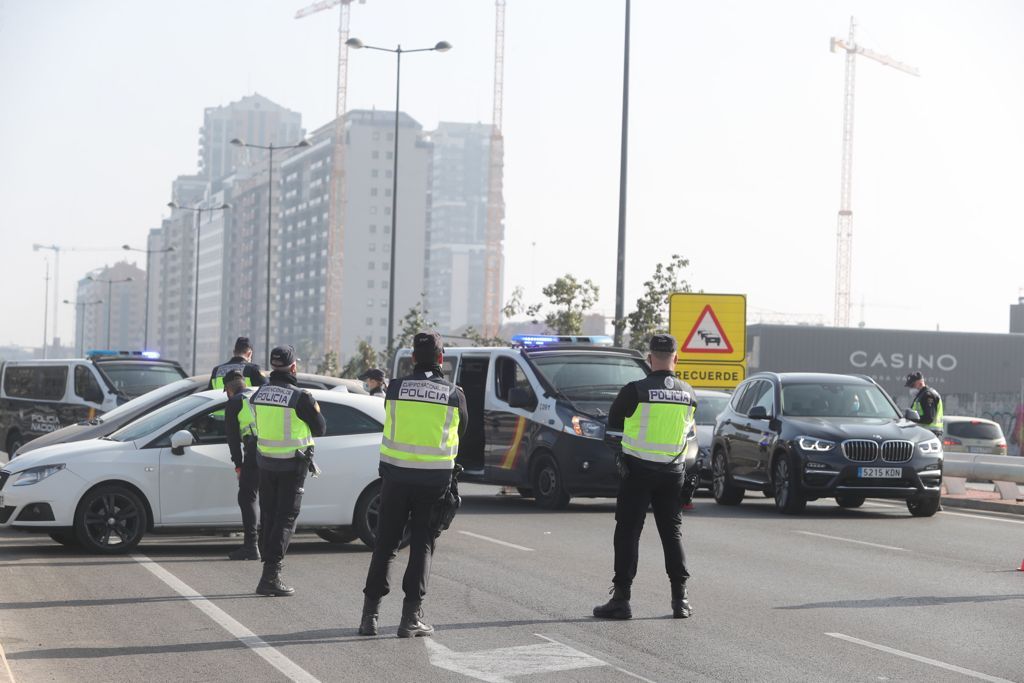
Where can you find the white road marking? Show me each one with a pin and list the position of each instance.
(494, 540)
(985, 515)
(290, 669)
(850, 540)
(919, 658)
(498, 666)
(619, 669)
(6, 670)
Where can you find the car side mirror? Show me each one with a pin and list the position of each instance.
(758, 413)
(180, 440)
(520, 398)
(911, 415)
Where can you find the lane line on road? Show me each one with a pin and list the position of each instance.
(984, 515)
(495, 540)
(7, 667)
(272, 656)
(850, 540)
(918, 658)
(617, 668)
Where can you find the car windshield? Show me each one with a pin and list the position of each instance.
(155, 420)
(709, 408)
(135, 378)
(836, 399)
(151, 400)
(590, 376)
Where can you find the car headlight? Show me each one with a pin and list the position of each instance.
(930, 447)
(34, 475)
(588, 429)
(809, 443)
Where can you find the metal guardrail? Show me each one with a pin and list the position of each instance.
(1005, 471)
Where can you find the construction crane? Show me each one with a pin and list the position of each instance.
(844, 229)
(336, 204)
(494, 231)
(57, 249)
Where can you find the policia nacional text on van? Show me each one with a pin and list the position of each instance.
(287, 419)
(650, 420)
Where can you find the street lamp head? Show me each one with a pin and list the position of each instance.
(443, 46)
(354, 43)
(303, 143)
(171, 248)
(91, 277)
(238, 142)
(224, 206)
(67, 301)
(126, 247)
(129, 279)
(172, 205)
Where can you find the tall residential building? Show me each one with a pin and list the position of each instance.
(117, 322)
(301, 283)
(209, 275)
(456, 238)
(253, 119)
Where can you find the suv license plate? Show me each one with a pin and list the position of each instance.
(879, 472)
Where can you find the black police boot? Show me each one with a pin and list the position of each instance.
(412, 625)
(271, 583)
(681, 608)
(248, 551)
(371, 608)
(616, 608)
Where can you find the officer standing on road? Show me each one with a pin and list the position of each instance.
(241, 360)
(375, 382)
(240, 427)
(927, 403)
(287, 419)
(425, 415)
(650, 419)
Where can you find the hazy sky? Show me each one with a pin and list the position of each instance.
(734, 139)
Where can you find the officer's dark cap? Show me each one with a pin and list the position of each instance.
(913, 378)
(372, 373)
(426, 346)
(282, 357)
(662, 343)
(232, 376)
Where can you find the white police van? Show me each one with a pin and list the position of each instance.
(41, 396)
(538, 411)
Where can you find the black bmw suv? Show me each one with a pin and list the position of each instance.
(800, 437)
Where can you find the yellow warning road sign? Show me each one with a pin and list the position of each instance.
(712, 375)
(710, 328)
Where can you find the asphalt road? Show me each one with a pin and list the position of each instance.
(846, 595)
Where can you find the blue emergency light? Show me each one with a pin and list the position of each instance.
(107, 353)
(534, 340)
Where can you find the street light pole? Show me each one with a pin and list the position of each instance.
(442, 46)
(270, 212)
(110, 296)
(80, 322)
(149, 285)
(620, 265)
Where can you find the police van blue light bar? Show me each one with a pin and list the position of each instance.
(105, 353)
(535, 340)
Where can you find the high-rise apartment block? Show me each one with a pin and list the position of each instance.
(117, 322)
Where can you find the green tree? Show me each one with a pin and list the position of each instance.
(651, 314)
(514, 306)
(329, 365)
(415, 320)
(571, 299)
(365, 357)
(479, 340)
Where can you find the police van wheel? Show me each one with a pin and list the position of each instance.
(339, 535)
(548, 489)
(14, 442)
(367, 512)
(110, 519)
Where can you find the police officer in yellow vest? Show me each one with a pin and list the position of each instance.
(926, 402)
(241, 360)
(287, 419)
(240, 427)
(650, 420)
(425, 415)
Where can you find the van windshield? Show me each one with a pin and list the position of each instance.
(590, 380)
(135, 378)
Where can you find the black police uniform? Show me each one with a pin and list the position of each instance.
(378, 375)
(282, 480)
(244, 457)
(251, 371)
(408, 495)
(929, 400)
(645, 483)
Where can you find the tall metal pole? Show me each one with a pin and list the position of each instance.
(620, 266)
(270, 208)
(145, 324)
(80, 325)
(195, 289)
(46, 305)
(110, 302)
(394, 206)
(844, 221)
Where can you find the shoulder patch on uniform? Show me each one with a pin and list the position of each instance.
(670, 382)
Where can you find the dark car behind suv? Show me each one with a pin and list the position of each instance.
(801, 437)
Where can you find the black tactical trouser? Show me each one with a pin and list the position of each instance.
(401, 503)
(280, 501)
(663, 492)
(248, 486)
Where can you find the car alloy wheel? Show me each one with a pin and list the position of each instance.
(782, 484)
(718, 475)
(110, 519)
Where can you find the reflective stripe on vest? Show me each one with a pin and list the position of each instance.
(657, 431)
(937, 420)
(279, 430)
(422, 434)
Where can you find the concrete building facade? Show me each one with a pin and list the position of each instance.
(117, 322)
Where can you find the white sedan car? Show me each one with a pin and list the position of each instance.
(171, 471)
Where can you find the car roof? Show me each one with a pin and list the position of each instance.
(533, 350)
(370, 404)
(813, 377)
(965, 418)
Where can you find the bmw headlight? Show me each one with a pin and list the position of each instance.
(930, 447)
(809, 443)
(34, 475)
(588, 429)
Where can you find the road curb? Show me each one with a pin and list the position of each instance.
(6, 675)
(987, 505)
